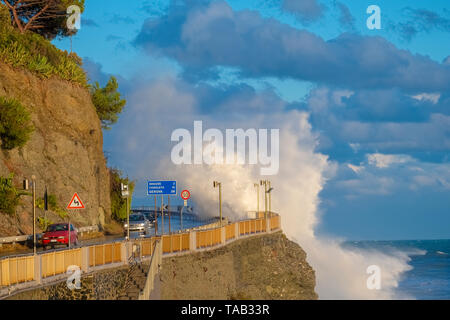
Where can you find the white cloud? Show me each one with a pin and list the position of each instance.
(386, 160)
(433, 97)
(356, 169)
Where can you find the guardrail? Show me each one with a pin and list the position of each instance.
(37, 269)
(29, 237)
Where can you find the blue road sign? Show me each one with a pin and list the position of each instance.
(161, 188)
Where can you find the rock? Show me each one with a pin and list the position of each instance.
(241, 271)
(65, 152)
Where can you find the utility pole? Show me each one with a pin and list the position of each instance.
(219, 184)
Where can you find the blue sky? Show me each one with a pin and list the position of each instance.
(378, 99)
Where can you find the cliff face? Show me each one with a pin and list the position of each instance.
(65, 152)
(267, 267)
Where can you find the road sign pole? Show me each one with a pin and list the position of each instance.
(68, 228)
(168, 208)
(156, 219)
(185, 195)
(162, 214)
(181, 218)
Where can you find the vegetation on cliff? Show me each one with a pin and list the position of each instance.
(32, 52)
(15, 124)
(9, 196)
(29, 50)
(118, 203)
(107, 102)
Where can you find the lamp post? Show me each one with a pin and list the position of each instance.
(219, 184)
(264, 183)
(257, 200)
(33, 181)
(270, 199)
(126, 195)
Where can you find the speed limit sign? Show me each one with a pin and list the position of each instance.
(185, 195)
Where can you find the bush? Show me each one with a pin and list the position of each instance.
(32, 52)
(15, 124)
(9, 197)
(44, 222)
(118, 203)
(107, 102)
(52, 205)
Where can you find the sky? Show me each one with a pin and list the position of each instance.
(377, 101)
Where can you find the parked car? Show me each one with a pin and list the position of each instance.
(138, 223)
(57, 234)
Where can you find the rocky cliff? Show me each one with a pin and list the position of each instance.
(267, 267)
(65, 152)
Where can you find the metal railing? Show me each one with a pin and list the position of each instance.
(29, 237)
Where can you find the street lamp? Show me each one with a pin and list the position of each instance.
(264, 183)
(257, 199)
(219, 184)
(126, 195)
(26, 187)
(270, 199)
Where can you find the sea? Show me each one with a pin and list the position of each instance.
(429, 278)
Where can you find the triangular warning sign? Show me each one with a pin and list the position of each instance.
(75, 203)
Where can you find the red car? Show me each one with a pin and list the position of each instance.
(57, 234)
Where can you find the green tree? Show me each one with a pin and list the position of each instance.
(107, 102)
(15, 124)
(118, 203)
(45, 17)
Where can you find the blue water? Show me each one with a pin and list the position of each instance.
(429, 277)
